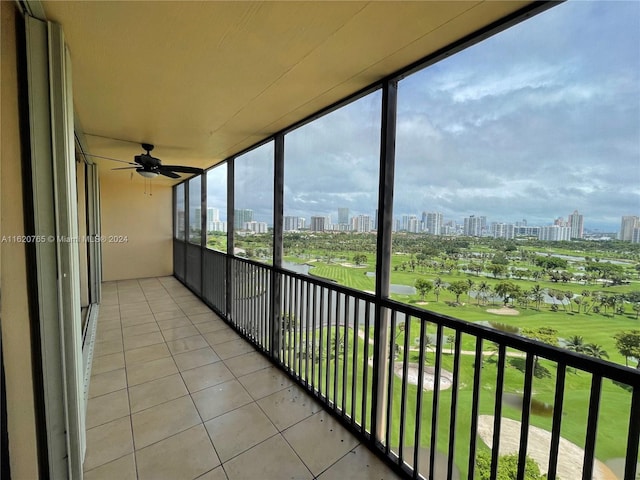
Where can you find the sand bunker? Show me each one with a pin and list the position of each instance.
(504, 311)
(428, 376)
(570, 455)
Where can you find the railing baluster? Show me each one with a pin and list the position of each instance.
(307, 352)
(314, 354)
(497, 412)
(365, 362)
(436, 401)
(354, 360)
(592, 422)
(557, 420)
(321, 343)
(405, 382)
(336, 353)
(419, 396)
(389, 353)
(475, 405)
(631, 460)
(526, 412)
(454, 405)
(328, 359)
(345, 354)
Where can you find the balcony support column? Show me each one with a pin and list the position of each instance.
(229, 265)
(278, 226)
(381, 356)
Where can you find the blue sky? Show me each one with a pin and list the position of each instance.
(535, 122)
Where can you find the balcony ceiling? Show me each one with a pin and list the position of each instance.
(205, 80)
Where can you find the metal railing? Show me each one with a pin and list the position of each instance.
(385, 370)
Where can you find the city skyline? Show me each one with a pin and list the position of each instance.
(530, 129)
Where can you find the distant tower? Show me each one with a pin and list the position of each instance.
(343, 216)
(576, 223)
(629, 222)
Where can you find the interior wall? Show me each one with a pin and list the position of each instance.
(14, 310)
(137, 227)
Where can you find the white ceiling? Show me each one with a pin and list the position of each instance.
(205, 80)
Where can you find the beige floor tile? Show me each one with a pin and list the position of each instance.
(221, 336)
(109, 335)
(178, 333)
(221, 398)
(156, 392)
(265, 382)
(107, 363)
(164, 306)
(206, 376)
(169, 315)
(162, 421)
(289, 406)
(187, 344)
(195, 358)
(215, 474)
(198, 318)
(137, 320)
(131, 298)
(147, 371)
(359, 464)
(272, 459)
(239, 430)
(146, 354)
(123, 468)
(107, 348)
(108, 382)
(144, 340)
(247, 363)
(135, 309)
(320, 441)
(108, 442)
(211, 326)
(187, 455)
(140, 329)
(107, 408)
(172, 323)
(106, 310)
(233, 348)
(106, 324)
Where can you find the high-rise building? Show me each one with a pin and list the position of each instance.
(503, 230)
(255, 227)
(361, 223)
(629, 222)
(576, 224)
(343, 216)
(213, 217)
(555, 233)
(473, 226)
(241, 217)
(410, 223)
(318, 224)
(433, 223)
(291, 223)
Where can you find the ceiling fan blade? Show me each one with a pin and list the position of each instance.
(181, 169)
(125, 168)
(168, 174)
(107, 158)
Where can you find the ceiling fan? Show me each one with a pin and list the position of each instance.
(150, 167)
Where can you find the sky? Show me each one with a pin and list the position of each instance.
(538, 121)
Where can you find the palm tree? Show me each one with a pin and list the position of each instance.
(482, 291)
(595, 351)
(575, 343)
(537, 294)
(470, 285)
(437, 286)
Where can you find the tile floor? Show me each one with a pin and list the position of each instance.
(177, 394)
